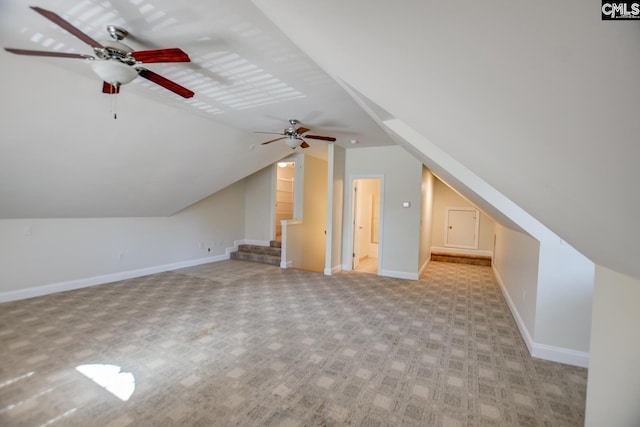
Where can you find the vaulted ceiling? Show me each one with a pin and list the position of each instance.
(64, 154)
(540, 100)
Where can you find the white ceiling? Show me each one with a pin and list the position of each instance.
(64, 155)
(539, 99)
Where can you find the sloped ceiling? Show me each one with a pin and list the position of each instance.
(539, 99)
(62, 153)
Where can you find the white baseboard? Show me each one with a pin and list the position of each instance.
(286, 264)
(461, 251)
(542, 351)
(70, 285)
(399, 274)
(333, 270)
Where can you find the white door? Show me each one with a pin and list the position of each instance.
(462, 228)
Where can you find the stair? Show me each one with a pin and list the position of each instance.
(263, 254)
(483, 260)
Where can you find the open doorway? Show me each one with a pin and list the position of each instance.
(285, 176)
(366, 225)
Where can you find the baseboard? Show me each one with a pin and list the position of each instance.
(286, 264)
(333, 270)
(399, 274)
(541, 351)
(461, 251)
(561, 355)
(70, 285)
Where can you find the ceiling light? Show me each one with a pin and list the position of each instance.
(114, 72)
(292, 142)
(354, 141)
(282, 164)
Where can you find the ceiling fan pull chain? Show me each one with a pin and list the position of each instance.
(114, 100)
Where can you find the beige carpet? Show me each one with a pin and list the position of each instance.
(237, 343)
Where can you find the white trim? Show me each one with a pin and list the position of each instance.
(451, 250)
(561, 355)
(286, 264)
(333, 270)
(349, 205)
(70, 285)
(542, 351)
(399, 274)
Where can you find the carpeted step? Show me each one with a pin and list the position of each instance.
(483, 260)
(275, 244)
(256, 257)
(262, 250)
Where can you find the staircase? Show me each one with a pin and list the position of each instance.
(461, 258)
(263, 254)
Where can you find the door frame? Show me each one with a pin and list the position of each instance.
(347, 258)
(476, 229)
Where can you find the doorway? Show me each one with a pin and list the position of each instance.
(366, 225)
(285, 176)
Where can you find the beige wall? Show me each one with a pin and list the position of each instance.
(314, 216)
(426, 217)
(258, 214)
(444, 197)
(335, 194)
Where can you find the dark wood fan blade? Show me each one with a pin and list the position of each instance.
(273, 140)
(323, 138)
(304, 144)
(110, 89)
(160, 55)
(302, 130)
(58, 20)
(47, 53)
(165, 83)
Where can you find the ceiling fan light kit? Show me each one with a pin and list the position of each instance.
(115, 63)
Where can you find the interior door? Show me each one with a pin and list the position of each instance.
(462, 228)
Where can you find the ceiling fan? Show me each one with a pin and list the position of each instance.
(114, 62)
(293, 136)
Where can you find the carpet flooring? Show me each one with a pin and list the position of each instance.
(239, 343)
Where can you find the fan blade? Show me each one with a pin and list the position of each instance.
(323, 138)
(110, 89)
(160, 55)
(304, 144)
(273, 140)
(58, 20)
(302, 130)
(165, 83)
(47, 53)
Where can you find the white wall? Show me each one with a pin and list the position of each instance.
(63, 253)
(400, 226)
(445, 197)
(548, 286)
(613, 386)
(565, 297)
(515, 263)
(259, 208)
(426, 218)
